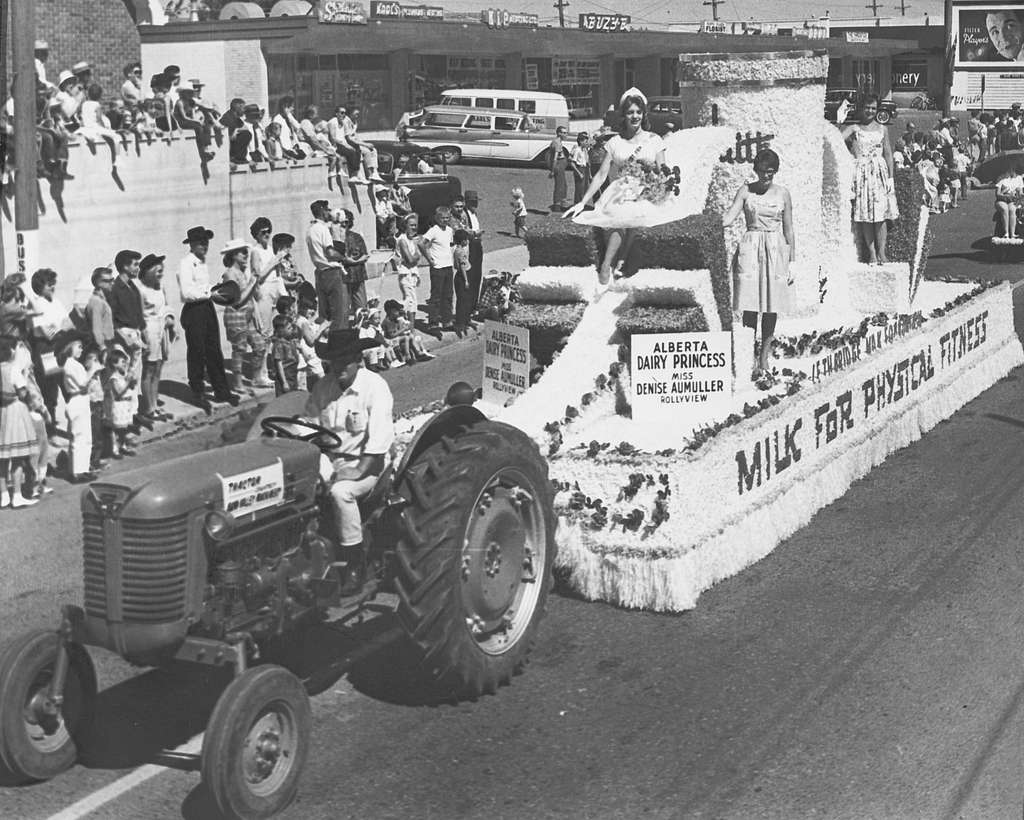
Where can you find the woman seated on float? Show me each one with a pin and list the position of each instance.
(621, 208)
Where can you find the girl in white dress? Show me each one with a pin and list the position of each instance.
(621, 208)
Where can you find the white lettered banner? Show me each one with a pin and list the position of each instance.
(681, 380)
(506, 362)
(253, 490)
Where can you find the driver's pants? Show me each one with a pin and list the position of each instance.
(346, 495)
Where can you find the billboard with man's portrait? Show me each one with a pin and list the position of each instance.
(988, 36)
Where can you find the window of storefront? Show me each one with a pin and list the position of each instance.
(909, 75)
(866, 75)
(579, 81)
(669, 78)
(433, 73)
(330, 80)
(835, 72)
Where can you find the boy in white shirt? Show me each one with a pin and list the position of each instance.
(437, 247)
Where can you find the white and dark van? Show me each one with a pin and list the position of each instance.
(548, 110)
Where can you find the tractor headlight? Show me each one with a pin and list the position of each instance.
(219, 524)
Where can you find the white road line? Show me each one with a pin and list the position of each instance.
(112, 791)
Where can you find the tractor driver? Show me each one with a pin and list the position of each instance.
(356, 404)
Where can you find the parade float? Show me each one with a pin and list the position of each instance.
(658, 503)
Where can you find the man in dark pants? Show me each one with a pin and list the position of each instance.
(331, 293)
(199, 320)
(476, 248)
(129, 325)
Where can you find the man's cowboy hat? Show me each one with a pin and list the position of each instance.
(226, 293)
(343, 345)
(197, 234)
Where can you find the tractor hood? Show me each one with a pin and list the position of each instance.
(242, 479)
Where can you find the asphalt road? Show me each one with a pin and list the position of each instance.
(869, 667)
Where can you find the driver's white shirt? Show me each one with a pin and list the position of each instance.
(361, 415)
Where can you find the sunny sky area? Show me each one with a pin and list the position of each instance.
(662, 12)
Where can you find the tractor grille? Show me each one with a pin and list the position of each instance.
(153, 571)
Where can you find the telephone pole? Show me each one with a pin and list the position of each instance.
(26, 209)
(714, 7)
(560, 5)
(873, 5)
(904, 5)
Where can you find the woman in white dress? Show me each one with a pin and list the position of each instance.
(621, 207)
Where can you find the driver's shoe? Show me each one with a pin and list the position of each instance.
(355, 572)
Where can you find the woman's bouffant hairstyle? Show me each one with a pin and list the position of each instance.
(641, 103)
(767, 159)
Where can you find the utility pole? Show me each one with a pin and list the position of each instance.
(903, 8)
(560, 5)
(26, 208)
(714, 7)
(873, 5)
(4, 27)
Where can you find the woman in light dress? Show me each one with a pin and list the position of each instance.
(762, 283)
(160, 332)
(874, 197)
(620, 208)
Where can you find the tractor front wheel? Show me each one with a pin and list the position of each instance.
(475, 555)
(257, 742)
(37, 737)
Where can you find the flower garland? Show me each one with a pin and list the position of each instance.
(592, 513)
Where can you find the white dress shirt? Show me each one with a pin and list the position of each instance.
(361, 415)
(193, 279)
(318, 240)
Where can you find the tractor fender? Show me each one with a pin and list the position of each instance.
(447, 422)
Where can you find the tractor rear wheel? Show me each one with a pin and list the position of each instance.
(474, 555)
(257, 742)
(37, 740)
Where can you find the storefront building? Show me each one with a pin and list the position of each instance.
(388, 60)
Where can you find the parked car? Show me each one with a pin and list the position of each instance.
(835, 96)
(662, 113)
(426, 191)
(462, 132)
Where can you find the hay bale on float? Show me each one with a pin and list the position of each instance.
(555, 242)
(550, 326)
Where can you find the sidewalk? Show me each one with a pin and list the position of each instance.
(174, 390)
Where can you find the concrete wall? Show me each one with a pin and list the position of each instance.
(229, 68)
(159, 193)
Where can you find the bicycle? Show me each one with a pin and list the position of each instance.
(924, 102)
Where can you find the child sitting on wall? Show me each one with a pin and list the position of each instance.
(399, 332)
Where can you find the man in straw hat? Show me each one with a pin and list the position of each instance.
(199, 321)
(357, 405)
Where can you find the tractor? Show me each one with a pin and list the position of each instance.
(211, 558)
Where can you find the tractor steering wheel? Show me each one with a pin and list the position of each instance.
(318, 436)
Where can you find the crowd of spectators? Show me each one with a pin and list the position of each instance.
(944, 160)
(76, 105)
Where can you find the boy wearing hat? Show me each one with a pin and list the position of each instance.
(42, 52)
(199, 320)
(357, 405)
(253, 115)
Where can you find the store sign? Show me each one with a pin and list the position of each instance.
(909, 76)
(382, 10)
(345, 12)
(604, 22)
(713, 27)
(503, 18)
(856, 36)
(813, 31)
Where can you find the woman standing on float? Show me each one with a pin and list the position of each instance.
(874, 197)
(762, 282)
(617, 210)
